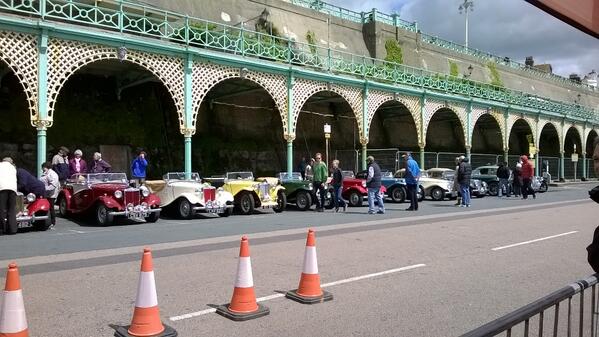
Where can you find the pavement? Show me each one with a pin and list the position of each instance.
(440, 271)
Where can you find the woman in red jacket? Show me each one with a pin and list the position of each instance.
(527, 176)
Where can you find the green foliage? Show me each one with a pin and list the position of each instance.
(453, 69)
(394, 53)
(495, 77)
(311, 38)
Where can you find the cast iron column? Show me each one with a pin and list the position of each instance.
(189, 130)
(290, 133)
(42, 100)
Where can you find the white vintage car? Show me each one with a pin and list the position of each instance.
(436, 188)
(186, 197)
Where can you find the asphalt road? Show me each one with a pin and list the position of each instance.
(437, 272)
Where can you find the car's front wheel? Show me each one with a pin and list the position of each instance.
(246, 203)
(355, 199)
(43, 225)
(437, 194)
(184, 210)
(494, 189)
(543, 188)
(102, 216)
(62, 207)
(226, 213)
(281, 202)
(303, 200)
(398, 195)
(153, 217)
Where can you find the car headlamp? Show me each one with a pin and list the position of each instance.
(144, 191)
(118, 194)
(30, 197)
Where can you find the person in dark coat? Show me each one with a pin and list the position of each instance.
(100, 165)
(464, 174)
(337, 184)
(373, 183)
(503, 174)
(60, 164)
(593, 248)
(301, 167)
(27, 183)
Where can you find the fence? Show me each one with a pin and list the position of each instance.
(564, 312)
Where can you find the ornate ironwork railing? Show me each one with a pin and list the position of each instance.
(138, 19)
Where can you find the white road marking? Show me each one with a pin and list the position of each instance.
(531, 241)
(75, 231)
(278, 295)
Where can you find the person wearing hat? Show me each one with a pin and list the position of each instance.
(60, 163)
(412, 176)
(373, 183)
(8, 197)
(77, 165)
(464, 176)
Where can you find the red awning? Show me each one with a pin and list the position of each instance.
(582, 14)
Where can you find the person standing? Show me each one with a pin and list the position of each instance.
(464, 174)
(28, 183)
(593, 248)
(52, 185)
(527, 175)
(309, 170)
(373, 183)
(301, 167)
(318, 180)
(138, 168)
(412, 177)
(503, 174)
(77, 165)
(517, 182)
(100, 165)
(60, 163)
(456, 185)
(8, 197)
(337, 183)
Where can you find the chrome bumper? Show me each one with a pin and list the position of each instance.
(212, 209)
(25, 221)
(134, 213)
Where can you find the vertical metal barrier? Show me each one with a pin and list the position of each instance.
(349, 159)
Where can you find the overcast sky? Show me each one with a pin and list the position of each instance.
(512, 28)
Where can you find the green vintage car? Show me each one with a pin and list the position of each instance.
(299, 191)
(249, 193)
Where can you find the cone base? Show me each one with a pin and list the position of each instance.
(122, 331)
(293, 295)
(224, 311)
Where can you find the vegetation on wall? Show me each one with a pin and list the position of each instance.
(453, 69)
(394, 53)
(311, 38)
(495, 77)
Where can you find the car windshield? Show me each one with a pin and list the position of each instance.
(387, 174)
(436, 174)
(240, 176)
(181, 176)
(293, 176)
(476, 172)
(95, 178)
(348, 174)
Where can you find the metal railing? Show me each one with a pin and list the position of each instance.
(128, 17)
(569, 311)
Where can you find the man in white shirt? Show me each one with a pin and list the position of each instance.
(52, 185)
(8, 197)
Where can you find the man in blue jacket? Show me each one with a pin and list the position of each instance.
(412, 176)
(138, 167)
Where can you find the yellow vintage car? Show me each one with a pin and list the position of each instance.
(250, 194)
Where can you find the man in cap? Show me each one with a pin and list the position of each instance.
(373, 183)
(412, 176)
(60, 163)
(464, 175)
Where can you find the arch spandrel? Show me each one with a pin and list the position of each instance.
(303, 89)
(431, 106)
(65, 57)
(376, 98)
(532, 123)
(478, 112)
(207, 75)
(20, 52)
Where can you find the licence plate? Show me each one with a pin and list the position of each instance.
(137, 216)
(214, 210)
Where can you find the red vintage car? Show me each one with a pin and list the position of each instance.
(354, 189)
(106, 196)
(33, 212)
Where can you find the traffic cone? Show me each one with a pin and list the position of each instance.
(13, 322)
(243, 304)
(309, 291)
(146, 316)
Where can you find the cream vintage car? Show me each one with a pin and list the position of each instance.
(250, 193)
(184, 197)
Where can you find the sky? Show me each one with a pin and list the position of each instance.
(512, 28)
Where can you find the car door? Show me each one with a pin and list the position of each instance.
(81, 195)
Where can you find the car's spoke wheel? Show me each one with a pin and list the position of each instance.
(303, 200)
(226, 213)
(184, 207)
(437, 194)
(153, 217)
(355, 199)
(543, 187)
(494, 189)
(62, 207)
(246, 204)
(329, 202)
(281, 202)
(102, 216)
(43, 225)
(398, 194)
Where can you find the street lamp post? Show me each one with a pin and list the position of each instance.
(327, 136)
(467, 5)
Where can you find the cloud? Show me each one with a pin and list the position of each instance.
(511, 28)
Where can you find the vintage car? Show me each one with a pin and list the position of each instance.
(184, 197)
(32, 212)
(249, 193)
(298, 191)
(436, 188)
(354, 189)
(107, 196)
(488, 174)
(478, 188)
(396, 187)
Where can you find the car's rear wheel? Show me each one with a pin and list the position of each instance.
(281, 202)
(62, 207)
(43, 225)
(543, 188)
(184, 210)
(246, 203)
(303, 200)
(355, 199)
(494, 189)
(398, 194)
(153, 217)
(329, 201)
(437, 194)
(101, 215)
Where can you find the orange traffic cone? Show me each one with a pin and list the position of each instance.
(13, 322)
(146, 316)
(309, 291)
(243, 304)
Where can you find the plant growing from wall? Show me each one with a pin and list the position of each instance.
(394, 53)
(311, 38)
(495, 77)
(453, 69)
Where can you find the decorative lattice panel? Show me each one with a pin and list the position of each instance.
(207, 75)
(556, 124)
(431, 106)
(66, 57)
(477, 112)
(20, 52)
(303, 89)
(377, 98)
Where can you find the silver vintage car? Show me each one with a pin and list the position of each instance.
(185, 196)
